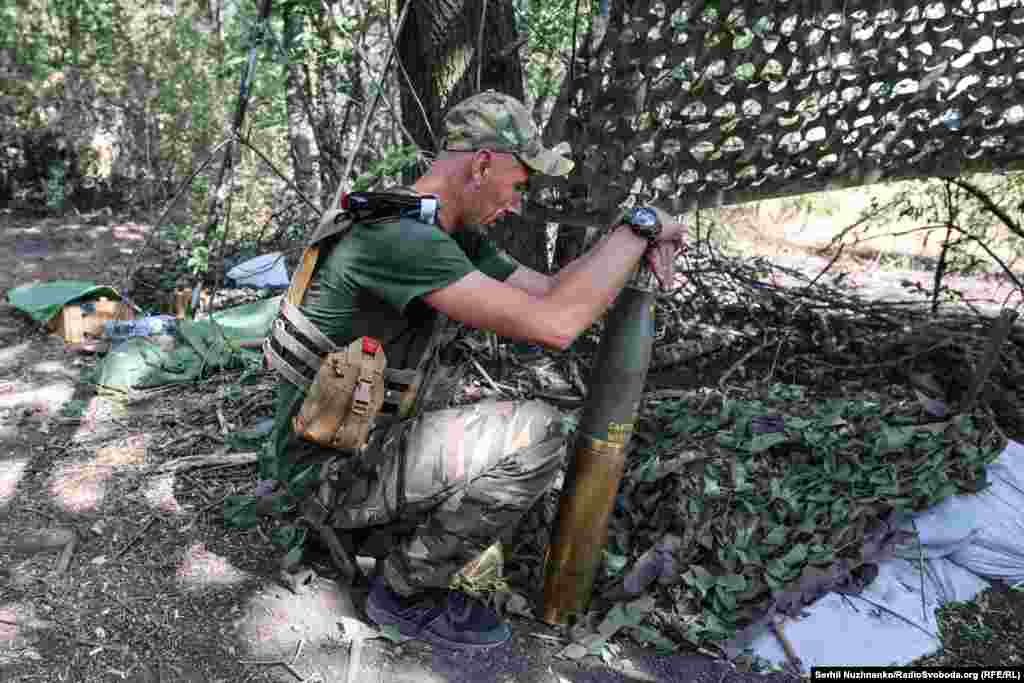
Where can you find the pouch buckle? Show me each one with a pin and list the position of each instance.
(361, 397)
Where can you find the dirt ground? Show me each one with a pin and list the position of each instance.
(154, 587)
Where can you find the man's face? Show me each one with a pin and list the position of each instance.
(504, 180)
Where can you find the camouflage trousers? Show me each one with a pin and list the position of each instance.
(460, 477)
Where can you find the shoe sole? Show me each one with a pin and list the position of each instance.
(411, 630)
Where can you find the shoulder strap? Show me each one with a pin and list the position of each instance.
(334, 222)
(338, 221)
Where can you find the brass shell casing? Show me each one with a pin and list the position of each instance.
(599, 457)
(573, 560)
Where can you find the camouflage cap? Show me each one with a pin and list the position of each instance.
(494, 121)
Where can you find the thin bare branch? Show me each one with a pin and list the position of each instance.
(155, 230)
(480, 45)
(412, 91)
(245, 141)
(987, 201)
(369, 113)
(1002, 264)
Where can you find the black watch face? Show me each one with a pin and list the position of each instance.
(644, 216)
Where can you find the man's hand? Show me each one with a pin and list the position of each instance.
(661, 256)
(661, 261)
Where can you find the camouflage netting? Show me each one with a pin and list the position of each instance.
(689, 103)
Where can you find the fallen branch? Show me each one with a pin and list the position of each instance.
(276, 662)
(486, 376)
(195, 461)
(787, 647)
(290, 666)
(136, 537)
(883, 608)
(44, 539)
(896, 361)
(736, 366)
(64, 561)
(355, 654)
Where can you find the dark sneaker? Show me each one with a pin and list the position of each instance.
(447, 618)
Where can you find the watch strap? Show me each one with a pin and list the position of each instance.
(648, 232)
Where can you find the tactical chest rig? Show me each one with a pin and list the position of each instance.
(348, 389)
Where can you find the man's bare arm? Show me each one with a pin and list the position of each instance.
(582, 260)
(530, 281)
(539, 284)
(577, 299)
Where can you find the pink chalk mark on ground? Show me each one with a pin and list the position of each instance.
(159, 494)
(18, 621)
(132, 232)
(11, 474)
(88, 421)
(201, 568)
(8, 624)
(81, 485)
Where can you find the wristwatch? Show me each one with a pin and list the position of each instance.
(644, 222)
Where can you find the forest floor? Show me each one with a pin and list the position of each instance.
(153, 587)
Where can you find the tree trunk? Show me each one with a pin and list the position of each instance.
(336, 91)
(438, 49)
(562, 125)
(297, 96)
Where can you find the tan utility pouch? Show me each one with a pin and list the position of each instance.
(345, 397)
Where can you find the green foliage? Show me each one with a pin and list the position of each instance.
(397, 160)
(55, 186)
(74, 408)
(192, 251)
(761, 509)
(547, 27)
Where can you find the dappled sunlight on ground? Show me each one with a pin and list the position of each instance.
(52, 367)
(19, 624)
(9, 356)
(275, 620)
(79, 486)
(200, 568)
(87, 425)
(159, 494)
(133, 232)
(11, 473)
(48, 397)
(403, 671)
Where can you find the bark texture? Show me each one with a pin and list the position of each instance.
(439, 49)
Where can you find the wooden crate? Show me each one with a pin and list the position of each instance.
(74, 322)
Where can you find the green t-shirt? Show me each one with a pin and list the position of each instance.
(370, 283)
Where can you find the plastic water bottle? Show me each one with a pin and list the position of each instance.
(151, 325)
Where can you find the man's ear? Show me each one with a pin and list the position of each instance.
(482, 161)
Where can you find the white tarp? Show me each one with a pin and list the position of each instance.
(267, 270)
(965, 540)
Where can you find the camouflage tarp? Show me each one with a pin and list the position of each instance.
(690, 103)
